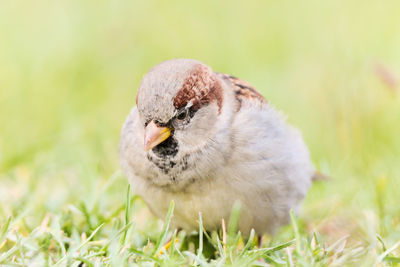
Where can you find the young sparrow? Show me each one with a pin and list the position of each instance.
(208, 140)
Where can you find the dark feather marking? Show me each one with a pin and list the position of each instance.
(166, 164)
(242, 89)
(201, 87)
(168, 148)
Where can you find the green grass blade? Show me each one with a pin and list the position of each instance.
(4, 230)
(249, 242)
(164, 232)
(200, 250)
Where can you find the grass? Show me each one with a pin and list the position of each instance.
(69, 72)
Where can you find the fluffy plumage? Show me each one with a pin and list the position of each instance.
(227, 145)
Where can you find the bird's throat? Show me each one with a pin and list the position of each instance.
(168, 148)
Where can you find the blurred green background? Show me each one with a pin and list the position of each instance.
(69, 72)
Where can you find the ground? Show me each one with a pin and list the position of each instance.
(69, 72)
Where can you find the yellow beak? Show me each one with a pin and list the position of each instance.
(154, 135)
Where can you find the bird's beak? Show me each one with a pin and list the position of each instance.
(154, 135)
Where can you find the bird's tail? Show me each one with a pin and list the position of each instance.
(319, 176)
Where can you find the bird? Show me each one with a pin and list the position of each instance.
(209, 141)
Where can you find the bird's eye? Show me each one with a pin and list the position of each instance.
(182, 115)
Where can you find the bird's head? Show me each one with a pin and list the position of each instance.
(179, 103)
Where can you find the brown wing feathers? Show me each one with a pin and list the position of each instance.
(242, 89)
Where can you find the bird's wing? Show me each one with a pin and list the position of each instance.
(244, 92)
